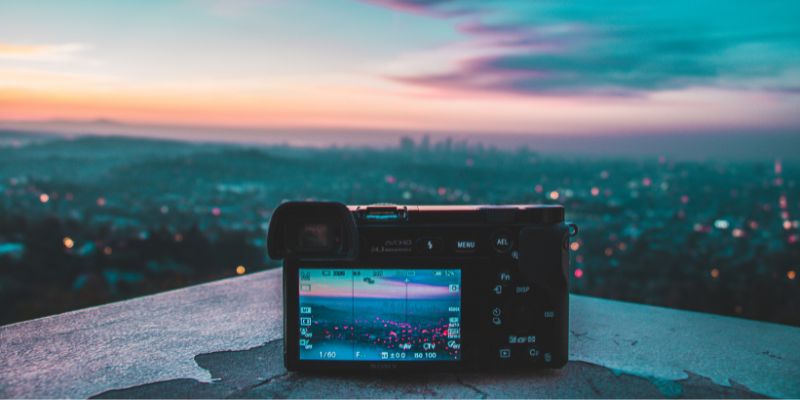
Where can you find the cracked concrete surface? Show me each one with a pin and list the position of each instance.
(258, 372)
(147, 339)
(223, 340)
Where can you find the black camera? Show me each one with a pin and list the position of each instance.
(422, 287)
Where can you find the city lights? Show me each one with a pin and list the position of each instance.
(698, 227)
(711, 217)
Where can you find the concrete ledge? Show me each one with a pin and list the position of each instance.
(223, 339)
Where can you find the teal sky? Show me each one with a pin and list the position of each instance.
(466, 66)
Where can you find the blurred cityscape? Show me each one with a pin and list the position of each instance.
(89, 220)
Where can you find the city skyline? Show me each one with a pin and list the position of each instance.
(405, 65)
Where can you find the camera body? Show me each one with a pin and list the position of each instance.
(422, 287)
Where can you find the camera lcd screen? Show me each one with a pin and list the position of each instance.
(388, 315)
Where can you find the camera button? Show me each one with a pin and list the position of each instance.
(501, 241)
(429, 245)
(533, 352)
(504, 277)
(522, 290)
(498, 290)
(496, 315)
(504, 353)
(465, 246)
(523, 318)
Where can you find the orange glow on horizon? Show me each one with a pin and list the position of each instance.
(9, 48)
(351, 105)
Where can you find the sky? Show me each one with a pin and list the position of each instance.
(544, 67)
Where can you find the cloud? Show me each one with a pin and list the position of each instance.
(615, 48)
(40, 52)
(439, 8)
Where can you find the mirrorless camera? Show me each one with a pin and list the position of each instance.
(422, 287)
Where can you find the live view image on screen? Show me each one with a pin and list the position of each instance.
(380, 314)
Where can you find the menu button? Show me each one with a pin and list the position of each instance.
(466, 245)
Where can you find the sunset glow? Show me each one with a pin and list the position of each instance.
(512, 67)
